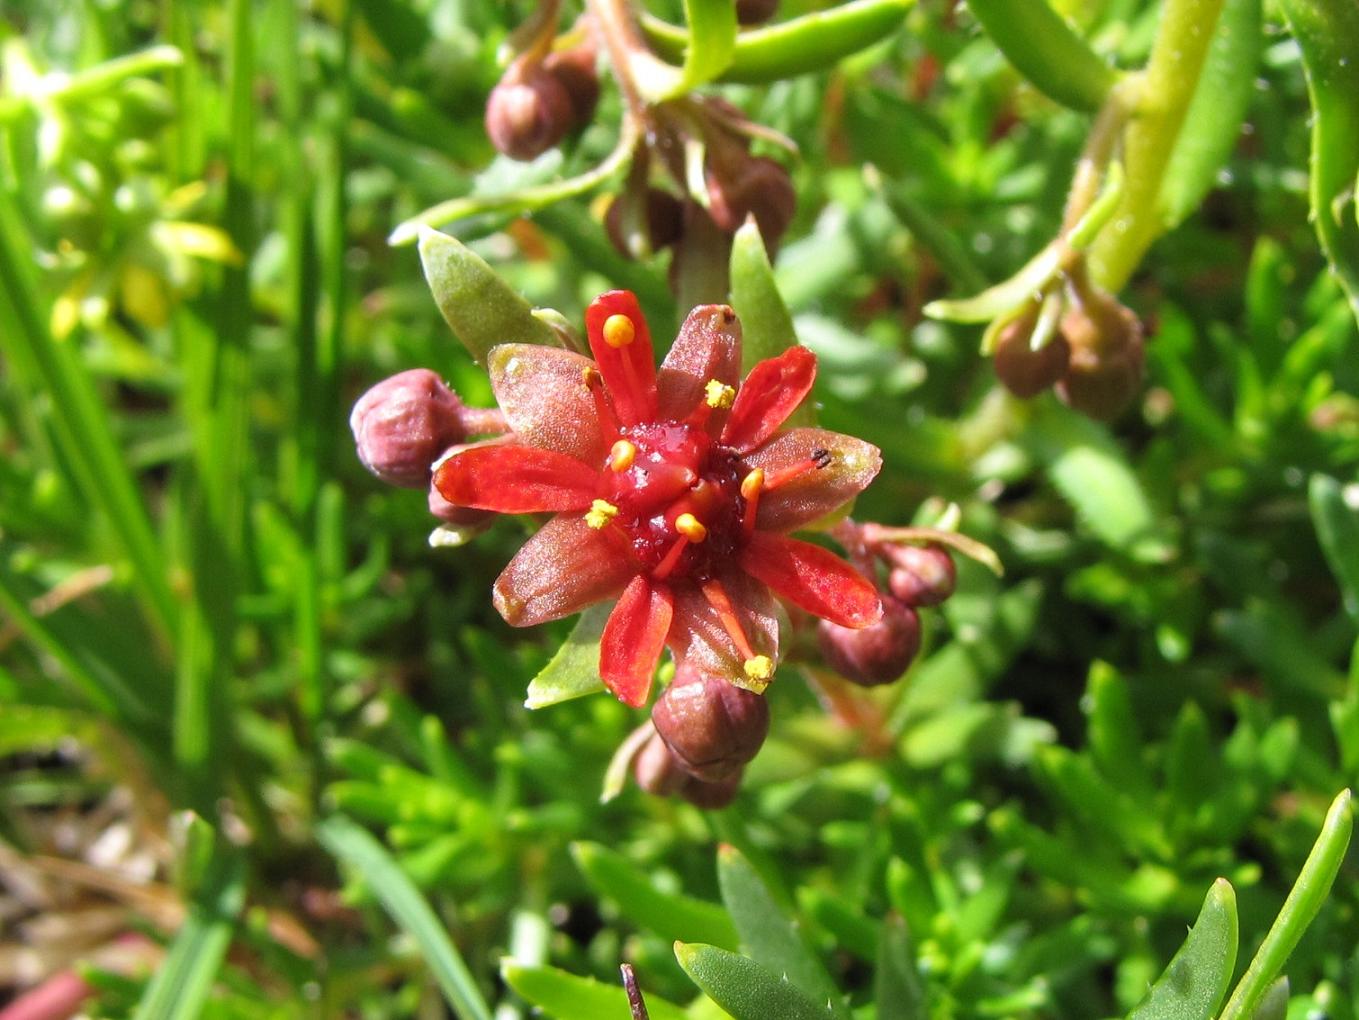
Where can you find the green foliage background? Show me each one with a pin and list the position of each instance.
(205, 602)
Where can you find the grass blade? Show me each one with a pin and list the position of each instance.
(181, 986)
(399, 897)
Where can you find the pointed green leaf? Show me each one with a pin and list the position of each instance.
(184, 981)
(573, 671)
(1046, 50)
(1092, 472)
(1213, 124)
(566, 996)
(897, 990)
(477, 304)
(1304, 900)
(399, 897)
(1326, 30)
(744, 988)
(669, 915)
(1196, 980)
(770, 936)
(1115, 743)
(1335, 515)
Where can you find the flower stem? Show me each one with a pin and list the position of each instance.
(1161, 97)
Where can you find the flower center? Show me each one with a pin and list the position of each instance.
(677, 497)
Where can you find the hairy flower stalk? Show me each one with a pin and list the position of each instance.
(674, 492)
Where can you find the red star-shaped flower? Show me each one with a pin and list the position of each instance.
(674, 491)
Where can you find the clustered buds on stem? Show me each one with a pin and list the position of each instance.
(1093, 358)
(543, 96)
(918, 576)
(736, 184)
(1107, 352)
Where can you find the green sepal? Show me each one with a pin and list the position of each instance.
(573, 671)
(480, 307)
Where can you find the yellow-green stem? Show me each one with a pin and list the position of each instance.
(1161, 98)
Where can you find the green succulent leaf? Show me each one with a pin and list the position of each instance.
(669, 915)
(898, 990)
(1213, 124)
(573, 671)
(1196, 980)
(1044, 48)
(565, 996)
(1304, 901)
(480, 307)
(1326, 30)
(798, 46)
(744, 988)
(1092, 472)
(361, 851)
(1337, 527)
(769, 934)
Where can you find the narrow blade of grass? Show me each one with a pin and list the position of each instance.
(398, 895)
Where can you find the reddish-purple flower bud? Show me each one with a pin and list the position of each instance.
(529, 113)
(1024, 371)
(403, 424)
(656, 769)
(1107, 356)
(712, 727)
(753, 12)
(758, 187)
(921, 575)
(711, 796)
(575, 70)
(877, 654)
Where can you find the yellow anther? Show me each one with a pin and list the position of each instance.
(601, 512)
(752, 483)
(619, 331)
(761, 667)
(622, 455)
(718, 395)
(691, 527)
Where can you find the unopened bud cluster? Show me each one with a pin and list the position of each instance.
(544, 95)
(918, 576)
(706, 731)
(661, 207)
(1093, 359)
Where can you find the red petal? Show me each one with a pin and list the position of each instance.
(698, 638)
(813, 579)
(562, 569)
(708, 347)
(513, 479)
(629, 371)
(771, 392)
(818, 492)
(633, 639)
(543, 394)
